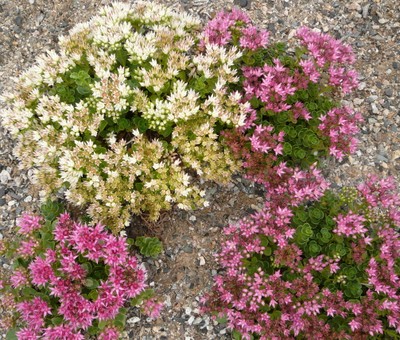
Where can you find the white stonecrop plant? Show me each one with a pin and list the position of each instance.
(125, 111)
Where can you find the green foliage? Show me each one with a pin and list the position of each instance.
(321, 247)
(51, 209)
(149, 246)
(11, 334)
(304, 144)
(143, 296)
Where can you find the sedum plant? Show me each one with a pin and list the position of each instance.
(149, 246)
(70, 280)
(294, 91)
(328, 269)
(128, 110)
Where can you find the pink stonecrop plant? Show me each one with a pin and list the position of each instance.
(328, 53)
(294, 117)
(71, 278)
(328, 269)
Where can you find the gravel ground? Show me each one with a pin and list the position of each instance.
(185, 270)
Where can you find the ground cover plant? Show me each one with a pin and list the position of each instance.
(138, 103)
(70, 279)
(311, 264)
(296, 117)
(125, 112)
(327, 269)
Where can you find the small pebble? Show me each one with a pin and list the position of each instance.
(365, 11)
(389, 92)
(4, 176)
(133, 320)
(243, 3)
(374, 108)
(197, 321)
(188, 249)
(381, 158)
(371, 99)
(191, 319)
(18, 21)
(202, 261)
(358, 101)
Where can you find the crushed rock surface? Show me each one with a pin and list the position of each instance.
(185, 270)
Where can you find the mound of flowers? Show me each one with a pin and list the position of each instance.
(138, 103)
(139, 100)
(71, 279)
(328, 269)
(125, 112)
(296, 117)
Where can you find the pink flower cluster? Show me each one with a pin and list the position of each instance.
(81, 251)
(327, 52)
(381, 194)
(152, 307)
(350, 225)
(284, 300)
(272, 85)
(226, 27)
(29, 223)
(340, 125)
(277, 87)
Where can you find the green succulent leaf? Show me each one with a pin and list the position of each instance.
(145, 295)
(149, 246)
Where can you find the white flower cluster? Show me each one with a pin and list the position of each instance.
(127, 106)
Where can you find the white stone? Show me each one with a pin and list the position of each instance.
(4, 176)
(358, 101)
(133, 320)
(374, 108)
(191, 319)
(396, 154)
(197, 321)
(202, 261)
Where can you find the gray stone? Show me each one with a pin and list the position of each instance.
(389, 92)
(365, 11)
(381, 158)
(18, 21)
(188, 249)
